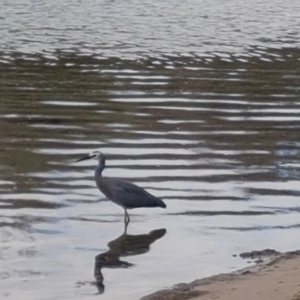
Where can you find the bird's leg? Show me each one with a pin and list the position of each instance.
(127, 219)
(125, 227)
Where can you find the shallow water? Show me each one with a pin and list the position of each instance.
(203, 112)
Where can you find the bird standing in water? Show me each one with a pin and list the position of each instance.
(122, 192)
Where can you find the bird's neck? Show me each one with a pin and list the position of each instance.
(99, 170)
(100, 167)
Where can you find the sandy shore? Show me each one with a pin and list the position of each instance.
(276, 276)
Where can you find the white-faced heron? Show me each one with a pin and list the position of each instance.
(121, 192)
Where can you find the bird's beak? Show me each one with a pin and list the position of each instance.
(86, 157)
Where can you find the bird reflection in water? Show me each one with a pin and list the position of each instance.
(124, 245)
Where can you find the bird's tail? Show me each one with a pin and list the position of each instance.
(160, 203)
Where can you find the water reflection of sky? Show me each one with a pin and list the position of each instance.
(224, 29)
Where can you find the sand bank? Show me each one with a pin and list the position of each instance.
(276, 276)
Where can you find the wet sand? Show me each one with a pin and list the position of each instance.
(275, 276)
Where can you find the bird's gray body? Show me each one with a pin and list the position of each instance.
(124, 193)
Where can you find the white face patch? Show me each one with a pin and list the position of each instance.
(95, 154)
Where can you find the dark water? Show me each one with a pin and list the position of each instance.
(203, 112)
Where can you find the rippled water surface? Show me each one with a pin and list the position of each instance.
(203, 111)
